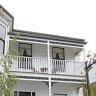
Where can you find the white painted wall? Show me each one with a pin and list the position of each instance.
(41, 88)
(69, 55)
(39, 50)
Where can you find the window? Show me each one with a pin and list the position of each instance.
(58, 53)
(19, 93)
(25, 49)
(24, 93)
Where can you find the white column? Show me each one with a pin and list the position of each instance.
(49, 86)
(49, 68)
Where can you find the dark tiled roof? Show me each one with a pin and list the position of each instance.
(47, 36)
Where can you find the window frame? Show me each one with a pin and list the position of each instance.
(63, 53)
(25, 44)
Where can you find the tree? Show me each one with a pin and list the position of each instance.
(89, 89)
(7, 80)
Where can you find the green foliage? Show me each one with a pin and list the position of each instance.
(93, 89)
(7, 80)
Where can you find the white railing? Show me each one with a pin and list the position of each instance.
(30, 64)
(40, 65)
(67, 67)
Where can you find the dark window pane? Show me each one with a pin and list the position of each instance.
(33, 93)
(58, 53)
(15, 93)
(25, 49)
(24, 93)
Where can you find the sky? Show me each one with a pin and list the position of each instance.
(72, 18)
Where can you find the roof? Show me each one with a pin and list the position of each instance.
(2, 8)
(47, 36)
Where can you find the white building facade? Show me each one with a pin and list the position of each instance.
(49, 65)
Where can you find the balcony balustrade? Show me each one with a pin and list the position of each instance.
(40, 65)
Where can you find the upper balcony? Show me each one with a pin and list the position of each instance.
(50, 54)
(49, 59)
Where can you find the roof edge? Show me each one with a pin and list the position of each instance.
(47, 36)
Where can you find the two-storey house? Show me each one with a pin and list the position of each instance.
(49, 65)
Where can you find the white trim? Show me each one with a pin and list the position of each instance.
(30, 79)
(49, 86)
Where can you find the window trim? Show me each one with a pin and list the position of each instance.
(26, 44)
(63, 53)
